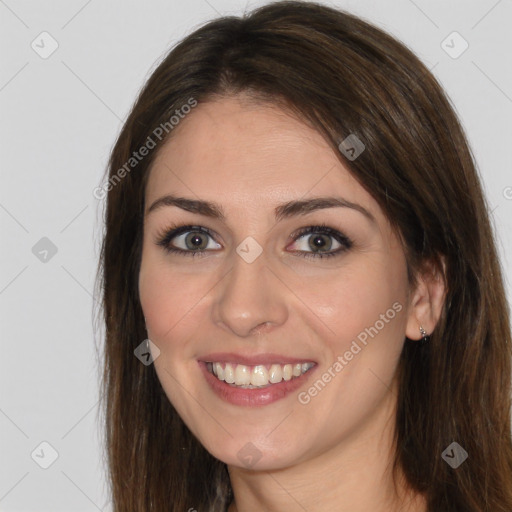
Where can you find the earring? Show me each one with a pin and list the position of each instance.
(425, 337)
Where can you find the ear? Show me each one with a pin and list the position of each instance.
(426, 301)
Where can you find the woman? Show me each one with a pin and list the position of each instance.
(304, 308)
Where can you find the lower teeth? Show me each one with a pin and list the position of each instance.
(248, 386)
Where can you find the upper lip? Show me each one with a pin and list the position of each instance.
(252, 360)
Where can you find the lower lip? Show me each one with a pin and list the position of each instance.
(253, 397)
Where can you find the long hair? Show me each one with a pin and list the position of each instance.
(343, 76)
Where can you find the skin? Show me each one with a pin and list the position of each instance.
(333, 453)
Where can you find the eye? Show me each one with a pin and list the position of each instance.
(194, 241)
(319, 241)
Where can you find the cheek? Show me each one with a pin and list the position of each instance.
(364, 307)
(344, 301)
(171, 300)
(354, 297)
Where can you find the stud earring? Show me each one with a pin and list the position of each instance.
(425, 337)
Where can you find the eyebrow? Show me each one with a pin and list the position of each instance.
(282, 211)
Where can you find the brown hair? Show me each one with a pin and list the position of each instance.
(343, 76)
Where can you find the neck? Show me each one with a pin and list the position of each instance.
(354, 476)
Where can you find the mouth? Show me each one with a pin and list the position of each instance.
(256, 380)
(256, 376)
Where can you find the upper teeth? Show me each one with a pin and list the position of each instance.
(256, 376)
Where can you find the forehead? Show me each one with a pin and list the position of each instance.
(245, 154)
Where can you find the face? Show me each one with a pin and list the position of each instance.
(309, 324)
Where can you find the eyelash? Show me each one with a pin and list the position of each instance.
(165, 236)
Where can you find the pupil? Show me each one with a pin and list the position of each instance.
(195, 240)
(318, 241)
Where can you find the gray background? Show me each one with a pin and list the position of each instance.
(59, 119)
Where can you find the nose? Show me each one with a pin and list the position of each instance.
(250, 299)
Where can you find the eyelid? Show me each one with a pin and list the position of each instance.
(321, 228)
(169, 233)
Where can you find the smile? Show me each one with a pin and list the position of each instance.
(256, 376)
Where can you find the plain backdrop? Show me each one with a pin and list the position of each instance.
(60, 115)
